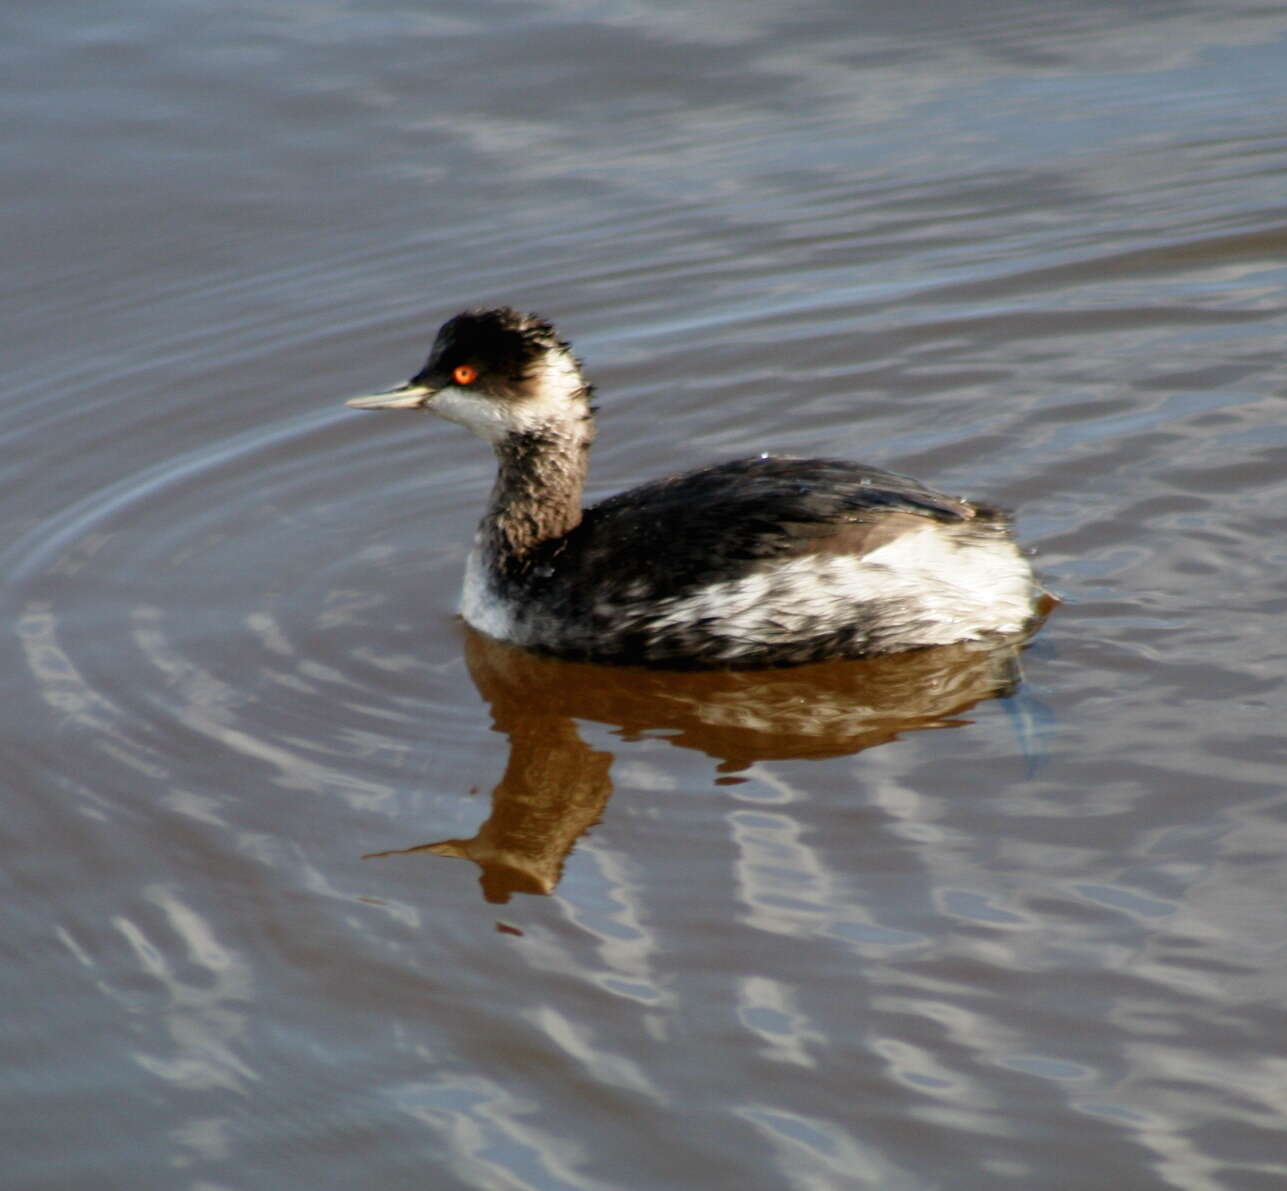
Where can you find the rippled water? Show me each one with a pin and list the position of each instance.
(306, 886)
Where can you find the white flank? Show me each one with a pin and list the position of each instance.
(983, 584)
(952, 589)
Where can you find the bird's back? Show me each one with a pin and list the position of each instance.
(766, 561)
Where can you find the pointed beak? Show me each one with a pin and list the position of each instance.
(408, 396)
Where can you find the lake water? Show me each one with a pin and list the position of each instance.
(306, 886)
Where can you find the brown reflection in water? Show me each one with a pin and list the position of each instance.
(555, 786)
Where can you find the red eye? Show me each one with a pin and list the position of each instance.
(464, 374)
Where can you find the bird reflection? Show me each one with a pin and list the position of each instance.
(555, 787)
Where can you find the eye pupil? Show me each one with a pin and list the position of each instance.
(464, 374)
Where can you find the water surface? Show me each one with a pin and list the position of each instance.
(899, 925)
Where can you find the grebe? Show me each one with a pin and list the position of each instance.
(758, 562)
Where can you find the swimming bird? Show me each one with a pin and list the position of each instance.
(768, 561)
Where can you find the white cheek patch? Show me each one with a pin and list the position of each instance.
(548, 403)
(477, 413)
(551, 392)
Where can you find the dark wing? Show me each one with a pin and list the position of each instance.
(704, 526)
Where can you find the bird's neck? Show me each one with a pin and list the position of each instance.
(537, 494)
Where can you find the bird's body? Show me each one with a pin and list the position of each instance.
(760, 562)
